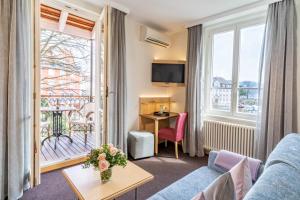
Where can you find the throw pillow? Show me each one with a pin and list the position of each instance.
(199, 196)
(220, 189)
(241, 176)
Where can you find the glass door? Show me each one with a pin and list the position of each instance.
(101, 46)
(72, 86)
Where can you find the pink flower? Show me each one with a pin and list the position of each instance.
(103, 165)
(102, 156)
(113, 151)
(110, 145)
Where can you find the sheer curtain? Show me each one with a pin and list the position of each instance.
(194, 139)
(117, 132)
(275, 118)
(15, 62)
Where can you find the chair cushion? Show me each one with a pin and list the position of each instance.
(167, 134)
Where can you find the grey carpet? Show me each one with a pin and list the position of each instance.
(165, 168)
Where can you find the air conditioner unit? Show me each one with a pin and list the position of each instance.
(155, 37)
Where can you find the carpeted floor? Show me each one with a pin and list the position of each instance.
(165, 168)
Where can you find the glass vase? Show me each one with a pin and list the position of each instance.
(106, 175)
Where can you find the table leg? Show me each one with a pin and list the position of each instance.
(47, 138)
(55, 142)
(156, 137)
(141, 123)
(91, 128)
(135, 194)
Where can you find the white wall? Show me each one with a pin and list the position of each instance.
(297, 114)
(139, 58)
(178, 52)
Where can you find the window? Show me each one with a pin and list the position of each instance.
(251, 39)
(222, 70)
(233, 68)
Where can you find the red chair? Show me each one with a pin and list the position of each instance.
(174, 134)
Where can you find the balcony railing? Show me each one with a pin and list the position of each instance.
(64, 149)
(63, 101)
(71, 101)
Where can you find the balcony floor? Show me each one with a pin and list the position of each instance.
(64, 149)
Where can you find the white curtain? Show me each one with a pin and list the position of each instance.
(275, 118)
(15, 65)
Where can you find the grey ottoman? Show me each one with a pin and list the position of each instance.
(141, 144)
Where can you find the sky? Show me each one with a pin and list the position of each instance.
(251, 39)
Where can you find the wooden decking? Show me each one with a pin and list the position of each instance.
(64, 149)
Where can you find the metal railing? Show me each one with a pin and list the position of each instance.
(71, 101)
(64, 101)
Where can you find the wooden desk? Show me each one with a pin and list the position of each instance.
(156, 120)
(87, 185)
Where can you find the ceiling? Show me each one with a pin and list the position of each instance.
(173, 15)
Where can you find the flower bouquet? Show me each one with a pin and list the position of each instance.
(104, 158)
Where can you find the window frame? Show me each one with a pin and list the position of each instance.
(209, 31)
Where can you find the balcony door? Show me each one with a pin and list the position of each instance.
(71, 96)
(101, 63)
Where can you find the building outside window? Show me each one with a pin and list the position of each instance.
(65, 64)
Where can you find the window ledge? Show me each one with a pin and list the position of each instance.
(231, 119)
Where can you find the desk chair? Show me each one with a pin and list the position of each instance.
(174, 134)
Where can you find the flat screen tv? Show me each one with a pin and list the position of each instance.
(168, 73)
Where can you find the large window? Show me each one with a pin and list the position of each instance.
(233, 68)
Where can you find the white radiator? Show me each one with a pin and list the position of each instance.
(232, 137)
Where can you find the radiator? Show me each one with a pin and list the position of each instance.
(232, 137)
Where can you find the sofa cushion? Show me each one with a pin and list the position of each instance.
(228, 159)
(188, 186)
(278, 182)
(211, 162)
(286, 151)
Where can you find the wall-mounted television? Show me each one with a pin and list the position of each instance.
(168, 72)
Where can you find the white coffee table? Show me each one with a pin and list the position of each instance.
(87, 185)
